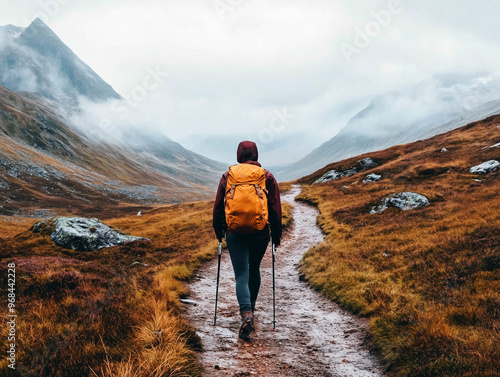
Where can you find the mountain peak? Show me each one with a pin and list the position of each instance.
(39, 29)
(39, 23)
(39, 61)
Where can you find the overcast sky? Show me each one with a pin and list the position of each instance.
(266, 65)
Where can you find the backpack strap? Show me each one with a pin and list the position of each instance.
(261, 196)
(259, 191)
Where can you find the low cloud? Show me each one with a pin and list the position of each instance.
(429, 104)
(230, 74)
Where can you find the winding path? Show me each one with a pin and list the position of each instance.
(313, 336)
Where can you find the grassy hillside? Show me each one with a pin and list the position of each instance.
(428, 278)
(112, 312)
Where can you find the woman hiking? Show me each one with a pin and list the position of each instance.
(247, 209)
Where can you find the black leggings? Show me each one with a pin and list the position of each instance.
(246, 254)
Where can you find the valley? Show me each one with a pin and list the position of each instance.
(390, 261)
(425, 280)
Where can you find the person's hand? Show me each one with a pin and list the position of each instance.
(220, 236)
(276, 242)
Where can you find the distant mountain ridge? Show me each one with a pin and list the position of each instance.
(433, 107)
(274, 154)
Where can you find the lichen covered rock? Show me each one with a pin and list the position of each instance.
(372, 178)
(334, 174)
(364, 164)
(404, 200)
(82, 234)
(485, 167)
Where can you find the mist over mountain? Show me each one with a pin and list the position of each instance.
(437, 105)
(38, 65)
(278, 151)
(56, 152)
(47, 166)
(34, 59)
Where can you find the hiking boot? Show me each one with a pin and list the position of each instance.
(246, 327)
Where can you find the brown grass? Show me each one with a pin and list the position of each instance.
(429, 279)
(99, 310)
(10, 226)
(285, 186)
(99, 313)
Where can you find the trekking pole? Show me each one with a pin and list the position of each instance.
(274, 292)
(217, 289)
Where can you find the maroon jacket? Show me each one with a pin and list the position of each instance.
(273, 203)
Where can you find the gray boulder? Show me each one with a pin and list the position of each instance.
(404, 200)
(485, 167)
(372, 178)
(81, 234)
(364, 164)
(334, 174)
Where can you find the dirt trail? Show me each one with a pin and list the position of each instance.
(313, 336)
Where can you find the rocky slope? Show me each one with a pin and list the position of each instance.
(49, 162)
(46, 165)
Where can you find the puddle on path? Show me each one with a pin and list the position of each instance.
(313, 336)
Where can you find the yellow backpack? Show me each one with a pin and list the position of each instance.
(246, 198)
